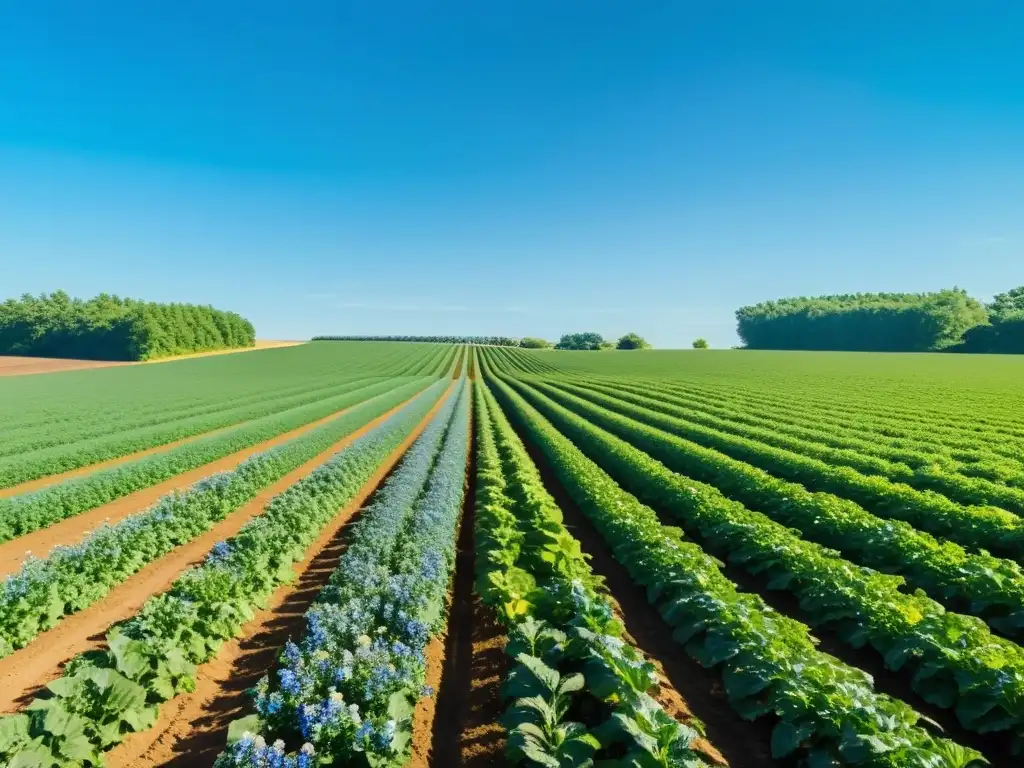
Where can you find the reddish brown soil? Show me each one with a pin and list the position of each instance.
(423, 718)
(192, 728)
(11, 365)
(466, 730)
(20, 366)
(25, 671)
(71, 530)
(688, 690)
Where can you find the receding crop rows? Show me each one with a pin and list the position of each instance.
(73, 577)
(348, 689)
(944, 431)
(959, 488)
(153, 657)
(31, 511)
(823, 709)
(901, 460)
(982, 527)
(953, 660)
(565, 641)
(72, 454)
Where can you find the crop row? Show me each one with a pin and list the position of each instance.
(989, 587)
(115, 443)
(346, 692)
(153, 656)
(917, 448)
(567, 646)
(74, 577)
(47, 435)
(38, 509)
(954, 661)
(981, 527)
(891, 418)
(927, 471)
(823, 709)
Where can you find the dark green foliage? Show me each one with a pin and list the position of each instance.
(1005, 331)
(531, 343)
(580, 341)
(869, 322)
(111, 328)
(632, 341)
(493, 341)
(701, 344)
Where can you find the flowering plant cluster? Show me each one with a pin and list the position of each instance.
(347, 690)
(563, 635)
(152, 657)
(73, 577)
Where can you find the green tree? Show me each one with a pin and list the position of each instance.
(529, 342)
(632, 341)
(701, 344)
(580, 341)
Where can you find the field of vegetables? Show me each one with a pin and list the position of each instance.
(431, 555)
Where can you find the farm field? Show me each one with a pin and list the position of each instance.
(410, 554)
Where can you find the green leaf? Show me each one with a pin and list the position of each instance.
(243, 725)
(13, 731)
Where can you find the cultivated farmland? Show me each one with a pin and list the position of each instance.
(391, 553)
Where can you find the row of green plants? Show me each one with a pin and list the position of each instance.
(149, 659)
(952, 660)
(32, 511)
(978, 583)
(892, 431)
(73, 577)
(346, 692)
(890, 414)
(577, 691)
(115, 443)
(907, 461)
(66, 434)
(979, 527)
(825, 712)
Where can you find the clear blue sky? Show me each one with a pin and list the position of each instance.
(510, 166)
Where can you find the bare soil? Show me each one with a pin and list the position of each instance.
(466, 731)
(25, 671)
(11, 365)
(73, 529)
(192, 728)
(687, 690)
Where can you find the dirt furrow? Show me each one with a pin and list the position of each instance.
(192, 728)
(465, 730)
(73, 529)
(687, 690)
(25, 671)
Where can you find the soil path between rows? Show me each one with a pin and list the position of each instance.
(12, 365)
(42, 482)
(73, 529)
(687, 690)
(192, 728)
(25, 671)
(466, 729)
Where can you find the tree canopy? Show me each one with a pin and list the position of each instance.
(700, 344)
(580, 341)
(530, 342)
(878, 322)
(109, 327)
(632, 341)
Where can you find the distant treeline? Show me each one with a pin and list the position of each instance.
(494, 341)
(113, 328)
(887, 322)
